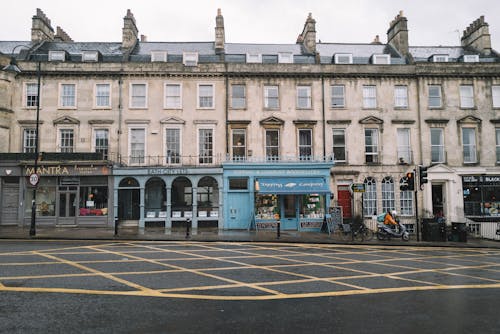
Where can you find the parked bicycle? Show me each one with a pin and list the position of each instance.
(362, 232)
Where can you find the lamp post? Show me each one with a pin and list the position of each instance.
(34, 178)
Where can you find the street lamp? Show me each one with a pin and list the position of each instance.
(34, 178)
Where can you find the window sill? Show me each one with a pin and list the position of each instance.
(370, 108)
(173, 108)
(238, 109)
(468, 108)
(138, 108)
(436, 108)
(272, 109)
(66, 108)
(305, 108)
(338, 107)
(205, 108)
(401, 108)
(102, 108)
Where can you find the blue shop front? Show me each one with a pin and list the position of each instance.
(257, 195)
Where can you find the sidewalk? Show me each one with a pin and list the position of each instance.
(213, 234)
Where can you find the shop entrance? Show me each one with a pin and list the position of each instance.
(67, 204)
(438, 200)
(129, 199)
(289, 221)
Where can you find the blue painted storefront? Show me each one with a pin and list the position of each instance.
(255, 192)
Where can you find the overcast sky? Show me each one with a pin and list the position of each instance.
(430, 22)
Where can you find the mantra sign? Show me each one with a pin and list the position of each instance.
(64, 170)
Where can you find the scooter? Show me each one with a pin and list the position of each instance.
(386, 232)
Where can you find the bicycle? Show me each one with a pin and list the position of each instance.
(342, 231)
(362, 232)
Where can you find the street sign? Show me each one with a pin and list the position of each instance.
(34, 178)
(358, 187)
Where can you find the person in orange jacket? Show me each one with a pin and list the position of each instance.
(390, 219)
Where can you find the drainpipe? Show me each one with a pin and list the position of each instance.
(323, 114)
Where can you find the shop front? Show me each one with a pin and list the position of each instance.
(260, 195)
(69, 195)
(168, 197)
(481, 197)
(10, 194)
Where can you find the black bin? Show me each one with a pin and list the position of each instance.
(459, 232)
(433, 231)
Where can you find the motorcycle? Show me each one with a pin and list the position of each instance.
(386, 232)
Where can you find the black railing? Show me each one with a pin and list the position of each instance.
(52, 156)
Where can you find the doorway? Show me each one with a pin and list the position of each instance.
(438, 200)
(344, 200)
(289, 221)
(67, 204)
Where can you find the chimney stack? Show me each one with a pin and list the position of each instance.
(144, 38)
(477, 36)
(397, 35)
(41, 30)
(61, 35)
(308, 36)
(130, 32)
(220, 38)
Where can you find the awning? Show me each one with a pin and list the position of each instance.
(292, 185)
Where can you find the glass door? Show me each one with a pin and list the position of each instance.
(289, 221)
(67, 204)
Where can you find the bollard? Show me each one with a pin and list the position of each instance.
(116, 226)
(188, 225)
(278, 225)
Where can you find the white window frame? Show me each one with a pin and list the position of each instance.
(233, 98)
(159, 56)
(66, 148)
(497, 136)
(401, 96)
(190, 58)
(95, 147)
(90, 56)
(403, 141)
(406, 201)
(495, 96)
(381, 59)
(307, 98)
(198, 100)
(62, 98)
(305, 146)
(234, 145)
(29, 140)
(97, 96)
(337, 97)
(374, 150)
(28, 94)
(338, 146)
(369, 96)
(437, 149)
(266, 146)
(210, 159)
(172, 104)
(267, 98)
(285, 57)
(370, 196)
(254, 58)
(438, 97)
(471, 58)
(134, 95)
(466, 96)
(470, 149)
(440, 58)
(57, 55)
(339, 58)
(388, 194)
(172, 160)
(140, 159)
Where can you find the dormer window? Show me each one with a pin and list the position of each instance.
(440, 58)
(285, 57)
(90, 56)
(57, 55)
(381, 59)
(343, 58)
(158, 56)
(190, 58)
(254, 58)
(471, 58)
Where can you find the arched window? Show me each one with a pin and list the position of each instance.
(406, 201)
(370, 197)
(182, 197)
(154, 197)
(388, 202)
(129, 182)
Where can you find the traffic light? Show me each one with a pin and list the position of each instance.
(410, 177)
(422, 174)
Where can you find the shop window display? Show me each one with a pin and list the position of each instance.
(93, 201)
(266, 206)
(312, 206)
(45, 198)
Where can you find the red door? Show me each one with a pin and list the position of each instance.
(344, 200)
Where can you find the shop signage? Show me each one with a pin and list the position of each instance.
(306, 224)
(292, 185)
(168, 171)
(67, 170)
(266, 225)
(358, 187)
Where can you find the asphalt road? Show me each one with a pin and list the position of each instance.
(186, 287)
